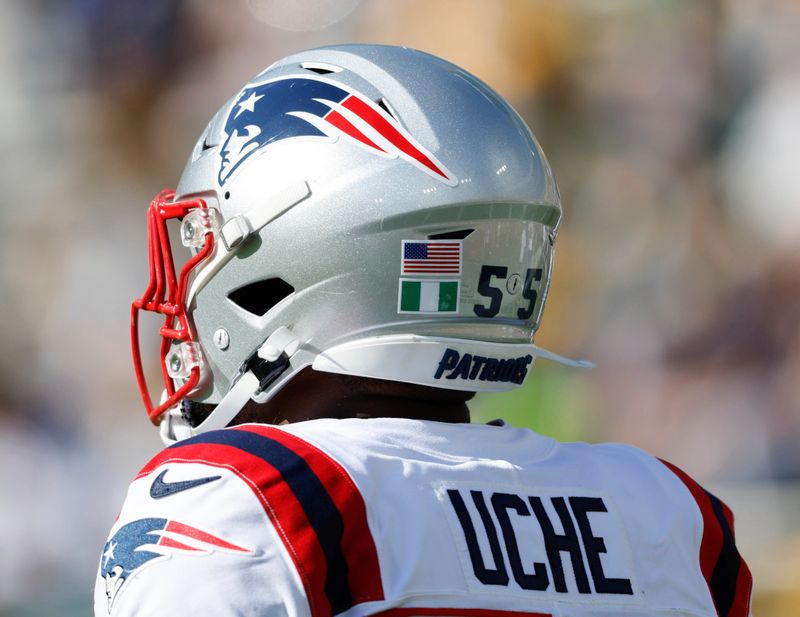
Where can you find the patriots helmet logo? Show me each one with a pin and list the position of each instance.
(148, 540)
(306, 107)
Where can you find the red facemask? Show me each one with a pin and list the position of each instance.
(180, 354)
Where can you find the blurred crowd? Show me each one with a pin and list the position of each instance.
(672, 127)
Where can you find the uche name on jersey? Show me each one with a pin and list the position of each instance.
(570, 547)
(482, 368)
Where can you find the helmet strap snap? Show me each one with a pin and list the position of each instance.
(258, 372)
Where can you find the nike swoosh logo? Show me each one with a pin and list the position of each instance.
(160, 489)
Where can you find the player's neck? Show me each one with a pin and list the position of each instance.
(312, 395)
(394, 407)
(375, 406)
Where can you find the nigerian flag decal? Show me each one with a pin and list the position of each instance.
(428, 296)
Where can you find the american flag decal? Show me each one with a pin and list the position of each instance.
(431, 257)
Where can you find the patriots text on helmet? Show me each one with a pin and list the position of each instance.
(473, 367)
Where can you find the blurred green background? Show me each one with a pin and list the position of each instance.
(672, 126)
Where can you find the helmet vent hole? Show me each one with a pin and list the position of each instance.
(259, 297)
(384, 104)
(320, 68)
(458, 234)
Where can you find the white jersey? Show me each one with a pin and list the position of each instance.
(399, 518)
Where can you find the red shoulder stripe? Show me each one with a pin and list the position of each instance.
(358, 546)
(278, 501)
(727, 575)
(311, 500)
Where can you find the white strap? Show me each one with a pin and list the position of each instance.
(239, 227)
(174, 426)
(280, 341)
(231, 404)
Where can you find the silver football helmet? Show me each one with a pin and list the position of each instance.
(367, 210)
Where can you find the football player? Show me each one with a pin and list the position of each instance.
(369, 236)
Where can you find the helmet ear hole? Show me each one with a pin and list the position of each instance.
(259, 297)
(384, 104)
(320, 68)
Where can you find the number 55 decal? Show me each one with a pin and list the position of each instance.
(495, 293)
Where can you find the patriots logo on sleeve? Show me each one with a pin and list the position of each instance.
(306, 107)
(148, 540)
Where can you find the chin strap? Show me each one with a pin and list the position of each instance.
(261, 369)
